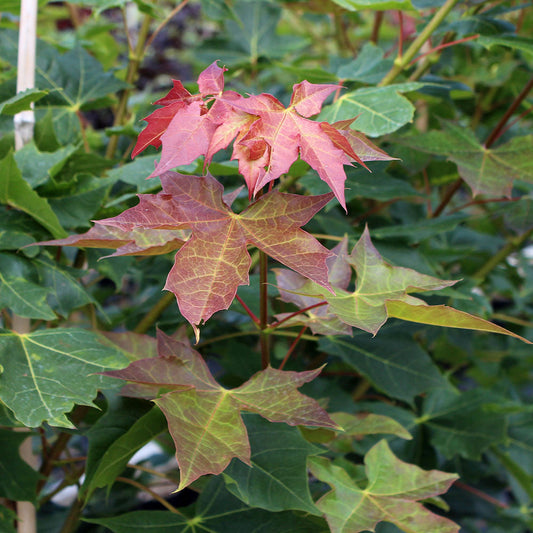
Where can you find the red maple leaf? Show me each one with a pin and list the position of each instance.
(211, 265)
(288, 133)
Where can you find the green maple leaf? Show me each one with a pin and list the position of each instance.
(204, 419)
(392, 495)
(489, 171)
(46, 372)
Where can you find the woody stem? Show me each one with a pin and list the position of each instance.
(263, 310)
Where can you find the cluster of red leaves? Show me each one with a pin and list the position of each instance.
(267, 137)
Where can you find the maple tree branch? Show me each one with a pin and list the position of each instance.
(513, 244)
(454, 187)
(73, 517)
(442, 46)
(296, 313)
(250, 313)
(401, 62)
(131, 74)
(498, 130)
(152, 493)
(378, 19)
(174, 12)
(291, 348)
(480, 494)
(263, 309)
(59, 445)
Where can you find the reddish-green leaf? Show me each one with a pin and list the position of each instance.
(355, 427)
(214, 261)
(377, 281)
(382, 291)
(204, 418)
(392, 495)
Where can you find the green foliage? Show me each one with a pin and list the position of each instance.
(362, 312)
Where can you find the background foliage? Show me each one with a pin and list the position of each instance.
(442, 87)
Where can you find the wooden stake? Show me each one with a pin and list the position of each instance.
(24, 123)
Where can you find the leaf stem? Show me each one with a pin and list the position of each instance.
(361, 389)
(226, 337)
(291, 348)
(442, 46)
(247, 309)
(480, 494)
(401, 62)
(454, 187)
(400, 36)
(498, 130)
(512, 320)
(131, 74)
(513, 244)
(296, 313)
(378, 19)
(263, 309)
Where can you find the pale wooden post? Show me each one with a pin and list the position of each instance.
(24, 123)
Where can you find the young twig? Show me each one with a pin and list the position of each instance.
(292, 347)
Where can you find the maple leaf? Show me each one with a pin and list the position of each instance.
(382, 291)
(288, 132)
(365, 149)
(488, 171)
(211, 265)
(392, 494)
(377, 282)
(204, 418)
(176, 103)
